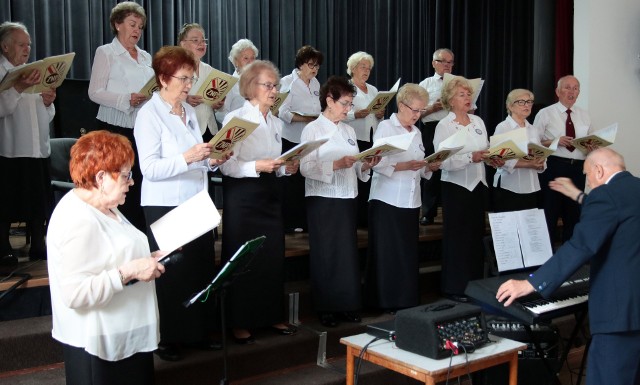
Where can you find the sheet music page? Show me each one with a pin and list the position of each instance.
(186, 222)
(506, 244)
(534, 237)
(601, 138)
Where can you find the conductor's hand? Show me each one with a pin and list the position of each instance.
(27, 81)
(268, 165)
(565, 187)
(513, 289)
(143, 269)
(197, 153)
(344, 162)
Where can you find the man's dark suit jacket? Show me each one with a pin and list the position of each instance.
(608, 236)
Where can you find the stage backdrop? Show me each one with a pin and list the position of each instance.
(508, 43)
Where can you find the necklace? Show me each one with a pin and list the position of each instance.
(181, 114)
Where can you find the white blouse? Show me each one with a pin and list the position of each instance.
(204, 112)
(265, 142)
(24, 122)
(301, 98)
(114, 77)
(459, 168)
(317, 166)
(398, 188)
(91, 308)
(363, 126)
(162, 139)
(517, 180)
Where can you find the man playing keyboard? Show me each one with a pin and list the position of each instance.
(607, 236)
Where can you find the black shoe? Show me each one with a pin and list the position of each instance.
(206, 345)
(458, 298)
(245, 340)
(328, 320)
(349, 316)
(8, 259)
(168, 352)
(37, 254)
(424, 221)
(289, 330)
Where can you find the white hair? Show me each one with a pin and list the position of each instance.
(356, 58)
(240, 46)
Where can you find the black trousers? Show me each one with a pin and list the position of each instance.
(557, 205)
(82, 368)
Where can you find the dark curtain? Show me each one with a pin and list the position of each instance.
(564, 38)
(492, 39)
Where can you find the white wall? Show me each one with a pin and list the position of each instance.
(607, 63)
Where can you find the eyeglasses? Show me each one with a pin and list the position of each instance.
(269, 86)
(198, 41)
(421, 111)
(347, 105)
(448, 63)
(127, 175)
(313, 66)
(186, 80)
(523, 102)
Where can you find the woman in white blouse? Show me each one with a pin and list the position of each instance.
(108, 329)
(242, 53)
(394, 206)
(364, 122)
(174, 162)
(191, 38)
(120, 70)
(516, 182)
(252, 199)
(301, 107)
(464, 191)
(331, 188)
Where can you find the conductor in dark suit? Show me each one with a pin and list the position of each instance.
(607, 236)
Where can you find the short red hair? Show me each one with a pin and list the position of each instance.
(169, 59)
(99, 151)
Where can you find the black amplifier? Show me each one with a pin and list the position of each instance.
(426, 329)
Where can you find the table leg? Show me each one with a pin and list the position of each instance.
(513, 369)
(350, 366)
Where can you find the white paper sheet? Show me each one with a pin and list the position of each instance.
(186, 222)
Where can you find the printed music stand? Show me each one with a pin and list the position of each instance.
(236, 265)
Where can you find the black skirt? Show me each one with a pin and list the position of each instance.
(392, 267)
(333, 244)
(252, 208)
(26, 194)
(191, 270)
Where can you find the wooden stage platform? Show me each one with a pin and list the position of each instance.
(296, 245)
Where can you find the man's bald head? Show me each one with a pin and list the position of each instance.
(601, 164)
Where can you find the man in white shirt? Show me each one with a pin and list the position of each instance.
(442, 63)
(566, 121)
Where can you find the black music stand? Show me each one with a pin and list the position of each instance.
(236, 265)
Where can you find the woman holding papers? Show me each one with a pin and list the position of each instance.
(301, 107)
(243, 53)
(331, 187)
(252, 196)
(174, 162)
(24, 147)
(191, 38)
(120, 70)
(394, 206)
(516, 182)
(464, 190)
(108, 329)
(364, 122)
